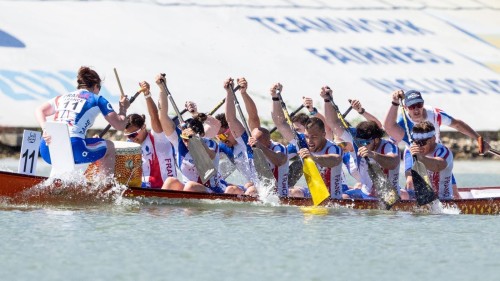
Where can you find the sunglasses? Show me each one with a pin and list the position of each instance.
(417, 105)
(363, 142)
(223, 136)
(133, 135)
(422, 142)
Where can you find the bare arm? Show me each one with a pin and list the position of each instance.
(278, 115)
(152, 109)
(277, 158)
(42, 112)
(253, 115)
(391, 127)
(356, 105)
(235, 125)
(465, 129)
(331, 117)
(118, 121)
(387, 161)
(326, 160)
(434, 164)
(308, 103)
(167, 124)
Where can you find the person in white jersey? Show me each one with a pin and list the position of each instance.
(158, 154)
(369, 143)
(417, 113)
(179, 137)
(436, 157)
(313, 144)
(79, 109)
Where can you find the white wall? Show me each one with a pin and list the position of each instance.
(448, 51)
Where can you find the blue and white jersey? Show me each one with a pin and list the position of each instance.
(241, 155)
(185, 161)
(442, 181)
(79, 110)
(434, 115)
(331, 176)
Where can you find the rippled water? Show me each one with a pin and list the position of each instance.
(205, 240)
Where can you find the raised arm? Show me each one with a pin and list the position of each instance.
(390, 123)
(331, 117)
(235, 125)
(356, 105)
(465, 129)
(167, 124)
(152, 109)
(313, 111)
(278, 115)
(253, 115)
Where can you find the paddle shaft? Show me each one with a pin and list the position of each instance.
(109, 125)
(122, 93)
(494, 152)
(240, 112)
(172, 101)
(302, 106)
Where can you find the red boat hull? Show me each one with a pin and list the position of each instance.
(13, 185)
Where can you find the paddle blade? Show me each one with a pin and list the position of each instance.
(261, 166)
(316, 185)
(386, 192)
(423, 190)
(202, 161)
(295, 172)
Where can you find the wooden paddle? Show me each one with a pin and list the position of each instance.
(386, 192)
(259, 158)
(319, 191)
(424, 192)
(204, 165)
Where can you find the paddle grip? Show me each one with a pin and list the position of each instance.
(480, 145)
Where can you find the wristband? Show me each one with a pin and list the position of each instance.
(362, 111)
(395, 103)
(312, 113)
(276, 99)
(327, 100)
(148, 95)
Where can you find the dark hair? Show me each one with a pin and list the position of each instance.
(369, 130)
(201, 116)
(135, 119)
(222, 118)
(301, 118)
(423, 127)
(315, 121)
(195, 124)
(87, 78)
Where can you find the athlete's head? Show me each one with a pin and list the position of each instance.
(299, 122)
(224, 135)
(424, 135)
(414, 104)
(135, 129)
(315, 134)
(368, 134)
(88, 79)
(262, 135)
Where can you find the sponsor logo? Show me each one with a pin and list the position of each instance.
(32, 138)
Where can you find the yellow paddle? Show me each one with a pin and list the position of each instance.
(319, 191)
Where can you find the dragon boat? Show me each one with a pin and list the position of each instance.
(475, 200)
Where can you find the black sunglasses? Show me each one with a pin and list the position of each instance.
(422, 142)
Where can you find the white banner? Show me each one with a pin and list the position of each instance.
(364, 51)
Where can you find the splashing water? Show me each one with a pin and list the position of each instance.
(75, 189)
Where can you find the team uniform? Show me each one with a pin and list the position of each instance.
(186, 164)
(158, 160)
(442, 181)
(241, 155)
(385, 147)
(434, 115)
(331, 176)
(280, 172)
(79, 109)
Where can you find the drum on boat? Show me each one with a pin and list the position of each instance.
(128, 165)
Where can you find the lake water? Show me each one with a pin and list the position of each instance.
(202, 240)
